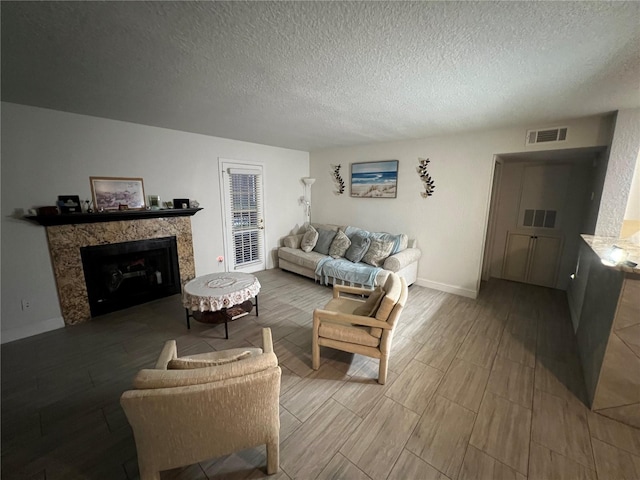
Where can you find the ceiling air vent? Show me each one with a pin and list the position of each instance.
(547, 135)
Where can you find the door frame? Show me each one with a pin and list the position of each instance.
(554, 157)
(492, 219)
(223, 164)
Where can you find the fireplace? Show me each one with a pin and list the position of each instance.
(66, 240)
(120, 275)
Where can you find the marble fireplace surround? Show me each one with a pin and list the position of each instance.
(65, 242)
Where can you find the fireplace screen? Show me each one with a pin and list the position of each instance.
(120, 275)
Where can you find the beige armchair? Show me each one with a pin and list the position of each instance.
(197, 412)
(357, 326)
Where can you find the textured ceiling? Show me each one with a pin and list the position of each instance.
(309, 75)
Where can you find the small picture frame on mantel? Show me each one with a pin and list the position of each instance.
(181, 203)
(154, 202)
(69, 204)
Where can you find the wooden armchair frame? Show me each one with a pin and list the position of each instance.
(380, 352)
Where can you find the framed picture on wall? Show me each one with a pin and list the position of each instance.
(109, 193)
(374, 179)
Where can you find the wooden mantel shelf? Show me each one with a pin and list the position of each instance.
(114, 216)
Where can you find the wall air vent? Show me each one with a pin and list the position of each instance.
(546, 135)
(540, 218)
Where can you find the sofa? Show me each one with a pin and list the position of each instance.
(323, 262)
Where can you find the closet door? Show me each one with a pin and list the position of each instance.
(545, 254)
(532, 258)
(516, 258)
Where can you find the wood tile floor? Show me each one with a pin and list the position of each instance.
(485, 389)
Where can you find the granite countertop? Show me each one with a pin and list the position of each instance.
(602, 246)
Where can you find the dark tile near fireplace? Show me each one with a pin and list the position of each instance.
(57, 384)
(114, 416)
(195, 348)
(80, 410)
(19, 427)
(41, 475)
(146, 344)
(130, 466)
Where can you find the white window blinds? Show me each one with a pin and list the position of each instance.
(245, 201)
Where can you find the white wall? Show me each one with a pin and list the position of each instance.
(46, 153)
(633, 203)
(622, 162)
(598, 177)
(450, 225)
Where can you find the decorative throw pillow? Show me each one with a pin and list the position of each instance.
(402, 244)
(190, 363)
(350, 231)
(378, 252)
(359, 245)
(293, 241)
(400, 241)
(309, 239)
(369, 308)
(325, 237)
(340, 245)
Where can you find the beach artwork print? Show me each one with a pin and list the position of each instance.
(374, 179)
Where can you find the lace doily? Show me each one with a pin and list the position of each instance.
(213, 292)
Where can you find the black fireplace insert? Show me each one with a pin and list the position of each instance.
(120, 275)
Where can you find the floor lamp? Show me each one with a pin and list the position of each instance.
(306, 199)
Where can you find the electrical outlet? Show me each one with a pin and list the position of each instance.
(26, 304)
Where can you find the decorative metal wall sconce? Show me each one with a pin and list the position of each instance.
(337, 179)
(429, 185)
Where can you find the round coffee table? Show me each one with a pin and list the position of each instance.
(220, 297)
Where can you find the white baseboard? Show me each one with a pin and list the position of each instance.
(443, 287)
(31, 329)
